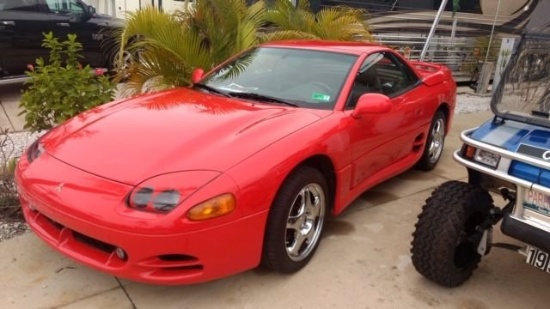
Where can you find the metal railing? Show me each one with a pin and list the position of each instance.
(462, 55)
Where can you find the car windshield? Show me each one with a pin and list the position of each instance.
(524, 91)
(295, 77)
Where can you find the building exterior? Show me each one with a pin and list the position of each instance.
(118, 8)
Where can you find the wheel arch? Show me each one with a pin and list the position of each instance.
(318, 162)
(325, 165)
(444, 107)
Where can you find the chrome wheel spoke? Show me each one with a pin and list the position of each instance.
(312, 205)
(305, 222)
(295, 247)
(436, 145)
(295, 223)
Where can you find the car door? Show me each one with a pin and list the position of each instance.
(69, 17)
(21, 22)
(381, 140)
(410, 100)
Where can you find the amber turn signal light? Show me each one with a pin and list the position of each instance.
(212, 208)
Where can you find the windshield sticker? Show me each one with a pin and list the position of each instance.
(320, 97)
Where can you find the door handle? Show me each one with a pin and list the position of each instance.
(63, 24)
(7, 23)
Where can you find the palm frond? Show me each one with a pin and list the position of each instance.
(289, 35)
(171, 46)
(341, 24)
(335, 23)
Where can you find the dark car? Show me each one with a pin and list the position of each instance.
(23, 22)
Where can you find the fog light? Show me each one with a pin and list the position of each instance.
(121, 254)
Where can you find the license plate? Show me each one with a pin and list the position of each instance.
(537, 201)
(538, 258)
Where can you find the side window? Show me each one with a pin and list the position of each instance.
(19, 5)
(367, 79)
(394, 75)
(381, 73)
(65, 6)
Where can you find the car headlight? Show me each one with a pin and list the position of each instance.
(163, 193)
(482, 156)
(35, 150)
(154, 199)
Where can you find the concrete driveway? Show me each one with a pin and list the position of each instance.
(362, 262)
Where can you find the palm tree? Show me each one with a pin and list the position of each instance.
(338, 23)
(171, 46)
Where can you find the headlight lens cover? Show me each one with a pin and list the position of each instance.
(163, 193)
(154, 200)
(35, 150)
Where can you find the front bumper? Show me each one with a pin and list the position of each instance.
(61, 213)
(523, 224)
(525, 231)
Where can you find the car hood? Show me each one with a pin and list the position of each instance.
(514, 136)
(106, 21)
(176, 130)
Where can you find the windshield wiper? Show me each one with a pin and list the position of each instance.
(260, 97)
(211, 89)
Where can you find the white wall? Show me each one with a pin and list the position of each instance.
(119, 7)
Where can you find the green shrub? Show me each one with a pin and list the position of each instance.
(61, 88)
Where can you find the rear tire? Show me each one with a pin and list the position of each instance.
(296, 220)
(434, 143)
(444, 246)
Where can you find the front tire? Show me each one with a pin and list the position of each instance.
(122, 63)
(296, 220)
(444, 246)
(434, 143)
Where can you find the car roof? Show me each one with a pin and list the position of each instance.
(356, 48)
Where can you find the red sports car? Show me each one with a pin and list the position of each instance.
(241, 169)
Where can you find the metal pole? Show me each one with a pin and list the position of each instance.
(432, 30)
(453, 29)
(113, 8)
(492, 32)
(394, 4)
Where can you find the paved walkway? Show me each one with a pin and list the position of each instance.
(363, 262)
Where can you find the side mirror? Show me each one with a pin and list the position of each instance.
(434, 79)
(91, 10)
(198, 73)
(88, 12)
(372, 103)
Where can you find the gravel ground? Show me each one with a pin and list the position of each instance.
(471, 103)
(17, 142)
(466, 104)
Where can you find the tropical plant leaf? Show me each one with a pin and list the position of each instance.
(168, 47)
